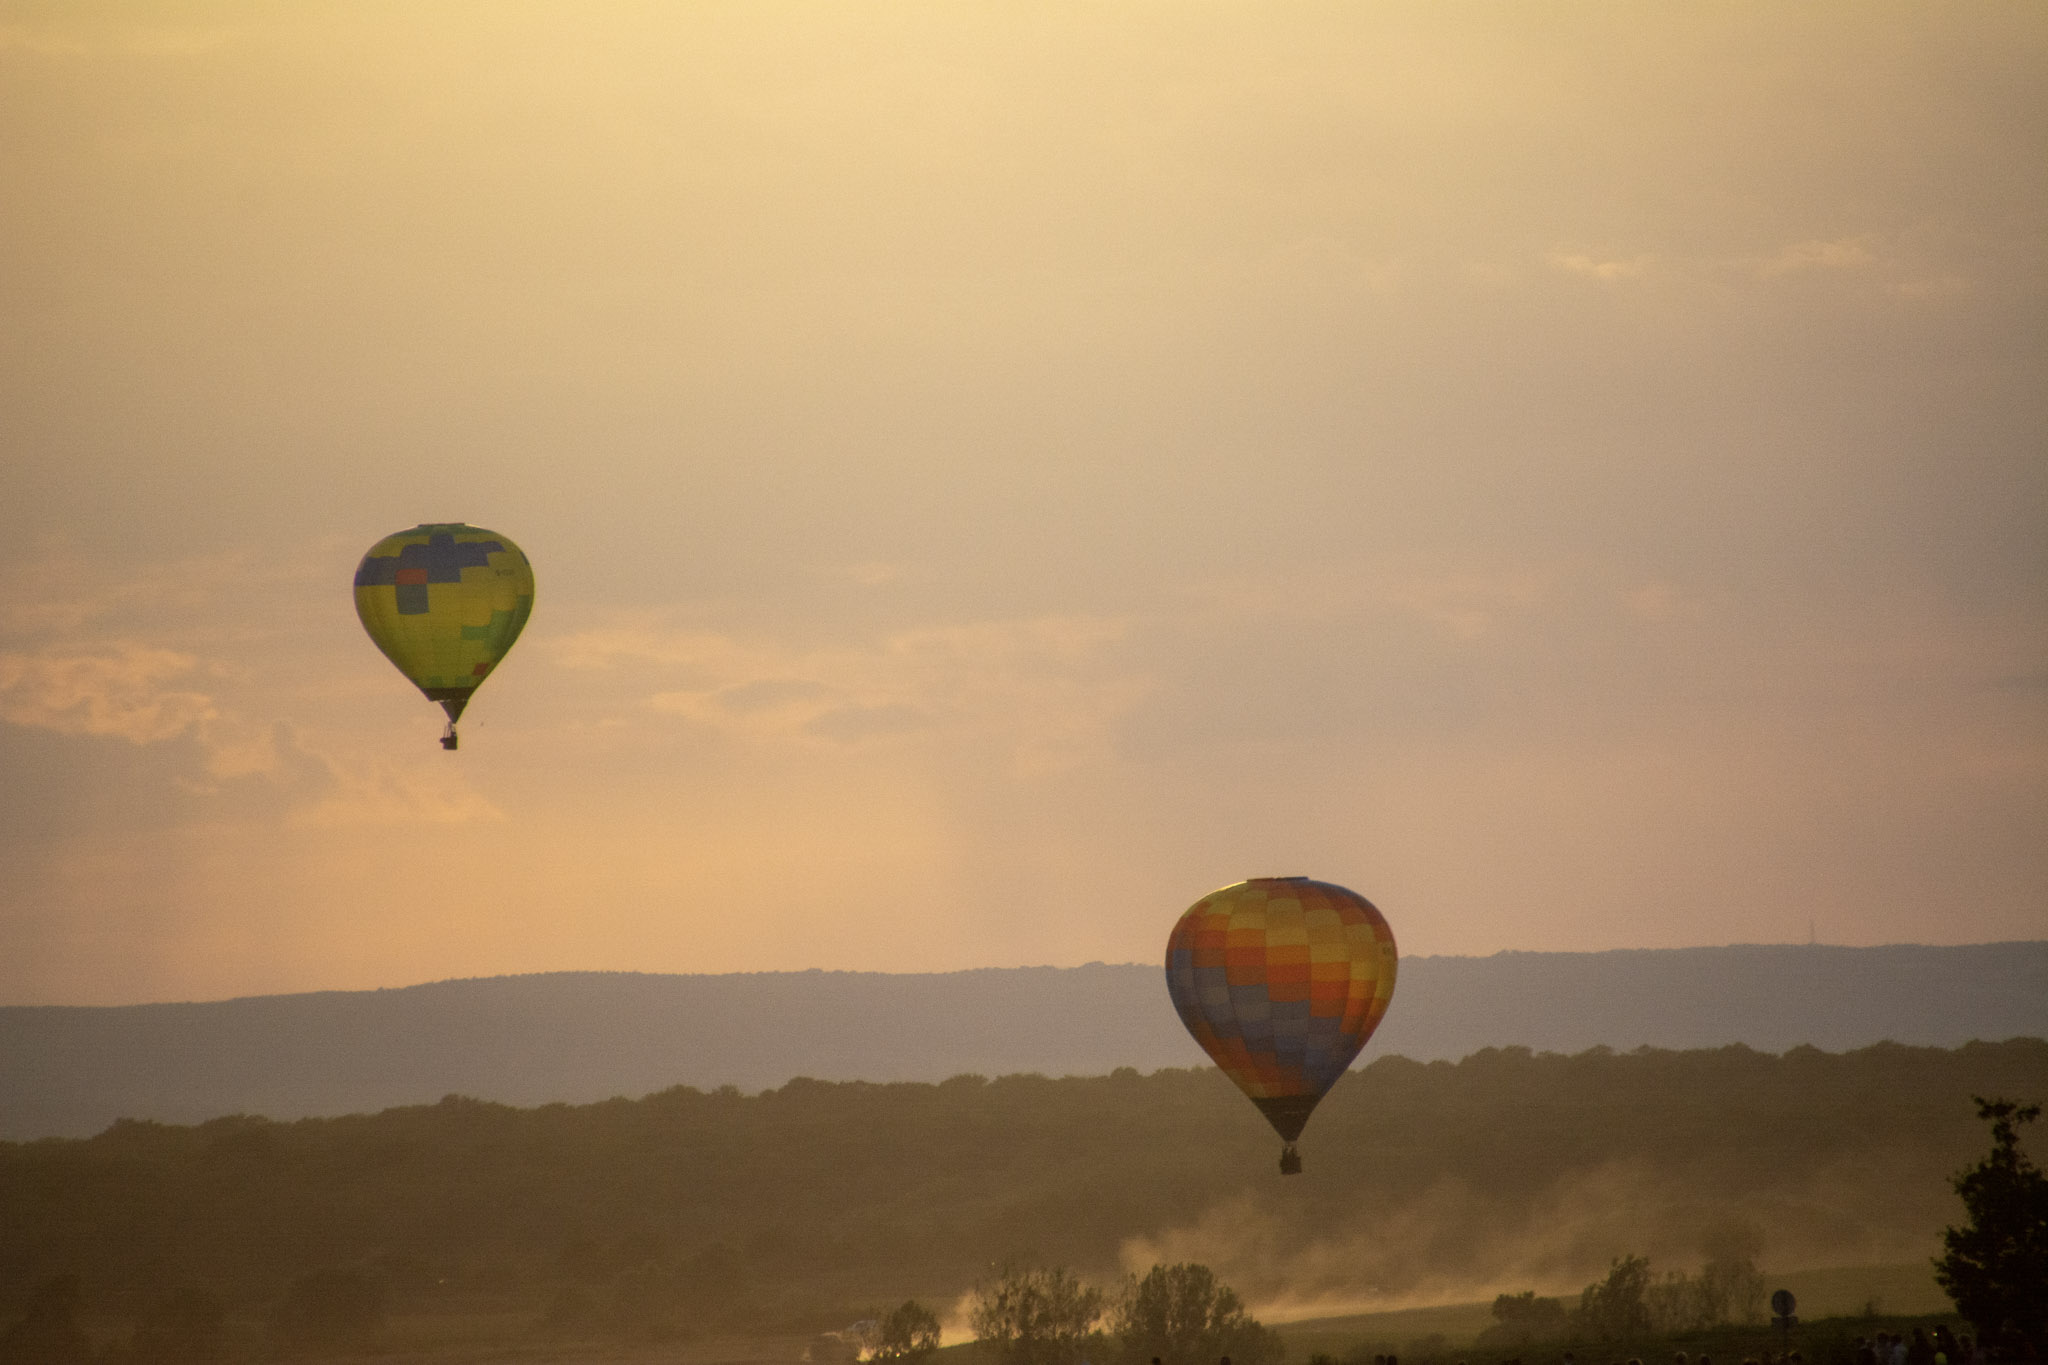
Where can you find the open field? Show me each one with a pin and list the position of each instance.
(1838, 1291)
(506, 1338)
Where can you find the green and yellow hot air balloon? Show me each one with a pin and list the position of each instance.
(445, 601)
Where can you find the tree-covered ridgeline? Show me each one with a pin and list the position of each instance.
(807, 1206)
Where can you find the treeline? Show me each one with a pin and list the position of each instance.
(802, 1208)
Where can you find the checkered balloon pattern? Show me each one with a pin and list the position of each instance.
(1281, 980)
(444, 601)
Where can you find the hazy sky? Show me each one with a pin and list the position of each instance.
(1575, 473)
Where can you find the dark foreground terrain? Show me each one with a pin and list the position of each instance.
(690, 1215)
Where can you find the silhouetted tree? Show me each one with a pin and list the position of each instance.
(1035, 1317)
(1996, 1269)
(909, 1333)
(1731, 1287)
(1520, 1319)
(48, 1333)
(1181, 1315)
(1616, 1308)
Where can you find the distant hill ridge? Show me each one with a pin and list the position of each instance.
(582, 1036)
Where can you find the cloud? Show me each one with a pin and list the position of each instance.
(871, 573)
(58, 594)
(130, 691)
(59, 591)
(1048, 687)
(119, 689)
(1458, 604)
(384, 793)
(1844, 253)
(1941, 285)
(1465, 605)
(1578, 263)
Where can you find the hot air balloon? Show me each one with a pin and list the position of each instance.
(444, 601)
(1281, 980)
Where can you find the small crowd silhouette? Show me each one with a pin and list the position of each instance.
(1943, 1348)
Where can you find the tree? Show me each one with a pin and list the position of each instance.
(1996, 1269)
(1731, 1286)
(1520, 1319)
(1616, 1308)
(1035, 1317)
(1180, 1314)
(909, 1333)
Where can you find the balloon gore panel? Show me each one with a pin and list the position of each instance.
(444, 602)
(1281, 980)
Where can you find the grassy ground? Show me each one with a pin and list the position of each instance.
(1444, 1332)
(1456, 1323)
(1854, 1291)
(395, 1349)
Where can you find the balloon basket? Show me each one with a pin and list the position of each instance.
(1290, 1160)
(448, 736)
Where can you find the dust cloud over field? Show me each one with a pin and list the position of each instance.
(1453, 1243)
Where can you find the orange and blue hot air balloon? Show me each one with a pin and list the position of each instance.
(1282, 980)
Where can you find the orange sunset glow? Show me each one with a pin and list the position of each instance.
(994, 473)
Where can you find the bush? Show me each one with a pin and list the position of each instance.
(909, 1333)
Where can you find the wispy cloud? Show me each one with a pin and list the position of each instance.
(1594, 268)
(123, 689)
(145, 696)
(1047, 686)
(385, 793)
(1842, 253)
(1458, 603)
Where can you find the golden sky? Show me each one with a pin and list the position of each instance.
(1575, 473)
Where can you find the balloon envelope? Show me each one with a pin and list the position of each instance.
(1281, 980)
(444, 601)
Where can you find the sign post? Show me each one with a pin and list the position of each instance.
(1783, 1306)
